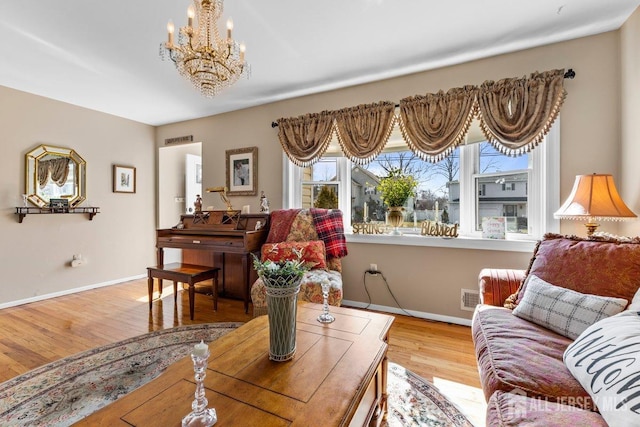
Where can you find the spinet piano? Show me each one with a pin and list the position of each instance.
(223, 239)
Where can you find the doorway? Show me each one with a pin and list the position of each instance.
(173, 199)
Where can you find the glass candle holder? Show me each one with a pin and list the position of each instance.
(325, 317)
(200, 416)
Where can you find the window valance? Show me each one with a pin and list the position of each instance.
(515, 115)
(363, 131)
(306, 138)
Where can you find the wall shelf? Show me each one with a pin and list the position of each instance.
(34, 210)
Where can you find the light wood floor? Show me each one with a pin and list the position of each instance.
(34, 334)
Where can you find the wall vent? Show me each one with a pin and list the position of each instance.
(469, 299)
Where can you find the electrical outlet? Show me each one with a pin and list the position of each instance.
(179, 199)
(373, 269)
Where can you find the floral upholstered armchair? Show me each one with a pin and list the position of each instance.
(319, 235)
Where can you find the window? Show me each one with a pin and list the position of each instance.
(474, 182)
(320, 185)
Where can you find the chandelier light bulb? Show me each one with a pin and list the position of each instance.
(170, 30)
(243, 48)
(191, 12)
(229, 27)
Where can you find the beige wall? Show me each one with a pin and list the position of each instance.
(118, 243)
(630, 118)
(429, 279)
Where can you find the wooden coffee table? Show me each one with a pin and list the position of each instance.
(338, 377)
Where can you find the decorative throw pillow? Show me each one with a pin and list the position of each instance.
(562, 310)
(313, 252)
(605, 359)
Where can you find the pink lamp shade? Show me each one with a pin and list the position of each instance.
(594, 198)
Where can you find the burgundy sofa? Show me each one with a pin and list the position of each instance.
(522, 372)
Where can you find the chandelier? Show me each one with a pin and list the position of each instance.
(207, 61)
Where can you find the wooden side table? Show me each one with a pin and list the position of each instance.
(183, 273)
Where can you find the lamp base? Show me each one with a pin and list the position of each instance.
(591, 228)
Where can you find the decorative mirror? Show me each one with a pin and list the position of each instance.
(55, 173)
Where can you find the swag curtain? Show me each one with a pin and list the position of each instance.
(363, 131)
(57, 169)
(306, 138)
(515, 115)
(435, 124)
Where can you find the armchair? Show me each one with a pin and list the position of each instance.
(320, 234)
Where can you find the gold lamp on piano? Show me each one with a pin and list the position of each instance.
(222, 191)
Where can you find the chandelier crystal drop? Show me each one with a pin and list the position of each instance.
(209, 62)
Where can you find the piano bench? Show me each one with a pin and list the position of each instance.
(184, 273)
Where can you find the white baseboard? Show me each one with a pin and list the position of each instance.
(420, 314)
(69, 291)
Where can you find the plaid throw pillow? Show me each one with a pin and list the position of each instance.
(328, 223)
(562, 310)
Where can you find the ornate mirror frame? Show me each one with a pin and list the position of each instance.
(75, 191)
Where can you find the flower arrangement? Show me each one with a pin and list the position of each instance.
(281, 273)
(396, 188)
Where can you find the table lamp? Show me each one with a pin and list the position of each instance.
(223, 195)
(594, 198)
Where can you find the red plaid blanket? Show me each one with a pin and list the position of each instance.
(328, 223)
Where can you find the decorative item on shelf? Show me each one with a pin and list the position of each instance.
(200, 416)
(370, 228)
(282, 284)
(59, 205)
(223, 195)
(325, 316)
(264, 203)
(198, 203)
(395, 189)
(594, 198)
(438, 229)
(208, 61)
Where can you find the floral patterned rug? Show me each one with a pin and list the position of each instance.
(413, 401)
(65, 391)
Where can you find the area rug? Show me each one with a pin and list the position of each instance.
(65, 391)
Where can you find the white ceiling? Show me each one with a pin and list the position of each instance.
(103, 55)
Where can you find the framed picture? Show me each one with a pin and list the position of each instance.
(242, 171)
(124, 179)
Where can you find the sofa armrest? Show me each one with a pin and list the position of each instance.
(497, 284)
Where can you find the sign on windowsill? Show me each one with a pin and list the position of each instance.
(494, 227)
